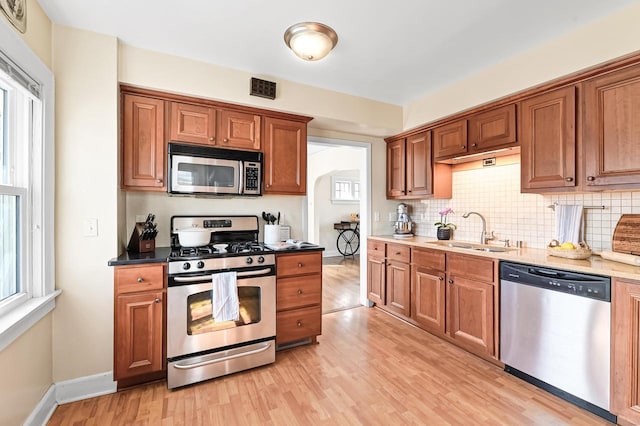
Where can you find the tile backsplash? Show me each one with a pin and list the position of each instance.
(494, 192)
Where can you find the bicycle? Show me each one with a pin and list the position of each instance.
(348, 241)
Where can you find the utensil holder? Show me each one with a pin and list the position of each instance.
(137, 244)
(271, 234)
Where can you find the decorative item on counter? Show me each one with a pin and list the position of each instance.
(143, 236)
(569, 250)
(355, 217)
(444, 228)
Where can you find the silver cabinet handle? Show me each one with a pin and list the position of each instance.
(140, 279)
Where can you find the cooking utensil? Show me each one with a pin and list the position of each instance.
(194, 237)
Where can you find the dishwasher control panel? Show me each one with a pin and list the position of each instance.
(585, 285)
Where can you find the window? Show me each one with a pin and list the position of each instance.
(345, 189)
(27, 290)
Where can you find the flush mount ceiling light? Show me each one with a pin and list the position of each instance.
(311, 41)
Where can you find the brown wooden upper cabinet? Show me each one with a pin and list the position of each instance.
(143, 143)
(481, 132)
(285, 157)
(410, 170)
(450, 140)
(238, 130)
(548, 141)
(611, 133)
(193, 123)
(492, 129)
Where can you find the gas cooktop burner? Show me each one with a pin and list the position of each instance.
(235, 248)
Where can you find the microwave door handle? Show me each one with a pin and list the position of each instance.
(241, 177)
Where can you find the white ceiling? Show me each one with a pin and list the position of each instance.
(391, 51)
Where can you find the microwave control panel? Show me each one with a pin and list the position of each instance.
(252, 177)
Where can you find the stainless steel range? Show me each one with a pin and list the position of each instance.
(199, 346)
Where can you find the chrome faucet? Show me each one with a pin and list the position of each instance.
(484, 236)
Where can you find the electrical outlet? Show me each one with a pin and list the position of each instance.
(90, 227)
(376, 216)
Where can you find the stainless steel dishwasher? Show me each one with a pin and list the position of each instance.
(555, 332)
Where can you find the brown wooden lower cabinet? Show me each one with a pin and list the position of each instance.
(428, 299)
(625, 362)
(451, 295)
(298, 296)
(139, 332)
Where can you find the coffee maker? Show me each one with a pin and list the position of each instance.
(403, 227)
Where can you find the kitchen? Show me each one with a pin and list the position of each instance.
(86, 62)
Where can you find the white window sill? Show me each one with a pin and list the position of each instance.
(22, 318)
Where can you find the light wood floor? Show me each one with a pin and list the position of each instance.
(340, 283)
(368, 368)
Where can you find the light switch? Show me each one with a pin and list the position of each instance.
(90, 227)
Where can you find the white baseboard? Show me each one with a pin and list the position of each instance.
(85, 387)
(45, 408)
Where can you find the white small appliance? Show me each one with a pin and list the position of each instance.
(403, 226)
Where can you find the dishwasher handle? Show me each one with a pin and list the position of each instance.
(546, 273)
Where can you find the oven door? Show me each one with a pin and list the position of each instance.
(200, 175)
(191, 327)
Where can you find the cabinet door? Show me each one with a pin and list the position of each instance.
(611, 136)
(376, 277)
(492, 129)
(625, 364)
(450, 140)
(285, 157)
(548, 141)
(398, 289)
(193, 123)
(470, 308)
(428, 299)
(143, 143)
(396, 154)
(138, 334)
(419, 167)
(238, 130)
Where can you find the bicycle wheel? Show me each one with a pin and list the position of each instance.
(348, 242)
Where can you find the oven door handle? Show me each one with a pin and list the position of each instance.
(226, 358)
(238, 274)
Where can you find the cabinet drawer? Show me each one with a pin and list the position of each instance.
(398, 252)
(478, 268)
(433, 259)
(376, 248)
(131, 279)
(296, 292)
(298, 264)
(298, 324)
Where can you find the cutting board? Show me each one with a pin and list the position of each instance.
(626, 236)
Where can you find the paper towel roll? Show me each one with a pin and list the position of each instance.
(271, 234)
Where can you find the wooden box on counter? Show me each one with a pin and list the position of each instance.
(139, 243)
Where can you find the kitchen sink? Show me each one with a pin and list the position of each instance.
(472, 246)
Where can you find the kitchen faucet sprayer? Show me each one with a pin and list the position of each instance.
(484, 236)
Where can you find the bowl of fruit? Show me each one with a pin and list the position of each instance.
(569, 250)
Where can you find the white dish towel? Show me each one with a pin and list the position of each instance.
(224, 297)
(568, 223)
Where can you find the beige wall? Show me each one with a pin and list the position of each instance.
(38, 34)
(25, 369)
(603, 40)
(85, 66)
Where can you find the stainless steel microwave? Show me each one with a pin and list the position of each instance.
(204, 170)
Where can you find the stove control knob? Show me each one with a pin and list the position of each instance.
(249, 260)
(200, 264)
(186, 266)
(260, 259)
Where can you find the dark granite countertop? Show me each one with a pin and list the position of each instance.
(160, 255)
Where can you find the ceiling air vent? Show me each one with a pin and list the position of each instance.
(263, 88)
